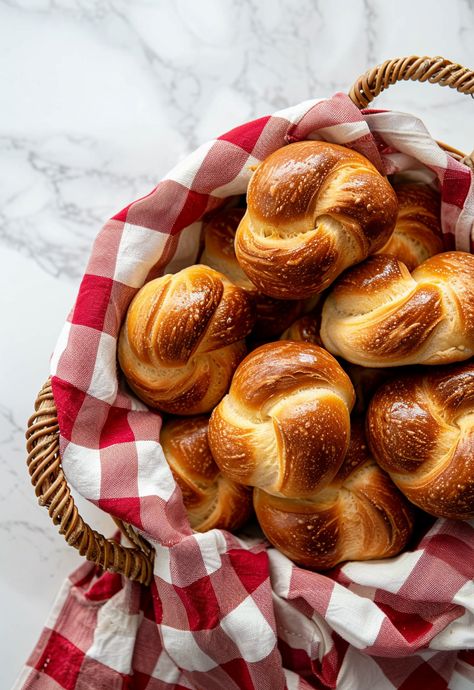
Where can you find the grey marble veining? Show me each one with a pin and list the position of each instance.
(100, 98)
(51, 214)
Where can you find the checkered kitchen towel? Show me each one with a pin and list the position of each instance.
(226, 612)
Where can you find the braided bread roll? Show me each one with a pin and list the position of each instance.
(421, 431)
(211, 500)
(305, 329)
(284, 426)
(273, 315)
(313, 210)
(183, 338)
(417, 234)
(359, 516)
(378, 315)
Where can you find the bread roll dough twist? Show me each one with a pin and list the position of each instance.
(378, 315)
(183, 338)
(284, 426)
(421, 430)
(314, 209)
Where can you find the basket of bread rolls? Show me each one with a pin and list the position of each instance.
(274, 350)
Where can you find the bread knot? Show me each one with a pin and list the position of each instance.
(313, 209)
(380, 315)
(421, 430)
(183, 338)
(284, 425)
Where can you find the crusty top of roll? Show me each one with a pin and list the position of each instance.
(284, 425)
(183, 337)
(379, 315)
(421, 430)
(417, 234)
(314, 208)
(281, 368)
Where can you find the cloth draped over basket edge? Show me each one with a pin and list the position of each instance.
(226, 611)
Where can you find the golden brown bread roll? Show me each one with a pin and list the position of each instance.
(360, 515)
(314, 209)
(183, 338)
(421, 430)
(378, 315)
(417, 234)
(284, 426)
(211, 500)
(305, 329)
(273, 315)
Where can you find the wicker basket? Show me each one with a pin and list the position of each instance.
(44, 462)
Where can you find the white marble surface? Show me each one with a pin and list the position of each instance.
(99, 98)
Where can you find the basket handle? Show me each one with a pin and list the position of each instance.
(436, 70)
(53, 492)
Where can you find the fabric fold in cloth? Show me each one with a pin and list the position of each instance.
(227, 611)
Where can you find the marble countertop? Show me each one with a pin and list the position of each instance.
(99, 99)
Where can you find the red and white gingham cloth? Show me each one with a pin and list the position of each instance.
(225, 612)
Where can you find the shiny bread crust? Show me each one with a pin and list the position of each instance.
(182, 339)
(313, 209)
(380, 315)
(211, 500)
(421, 431)
(284, 425)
